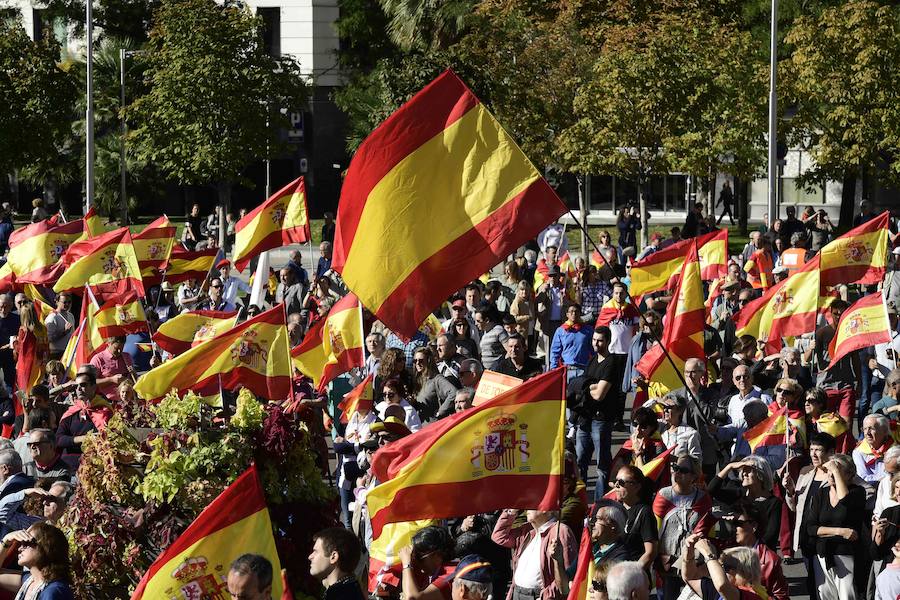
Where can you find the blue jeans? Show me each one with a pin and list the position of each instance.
(573, 372)
(598, 438)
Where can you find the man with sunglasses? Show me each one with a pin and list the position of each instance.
(45, 462)
(700, 406)
(215, 299)
(746, 393)
(90, 412)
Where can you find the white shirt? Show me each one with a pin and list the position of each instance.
(885, 363)
(737, 403)
(883, 496)
(412, 417)
(528, 569)
(232, 286)
(683, 438)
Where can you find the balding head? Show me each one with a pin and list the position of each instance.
(743, 378)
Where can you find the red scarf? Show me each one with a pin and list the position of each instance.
(877, 453)
(570, 326)
(99, 414)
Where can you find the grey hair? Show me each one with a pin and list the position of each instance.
(846, 465)
(474, 589)
(755, 411)
(882, 422)
(465, 391)
(790, 350)
(762, 467)
(745, 561)
(893, 453)
(891, 378)
(625, 578)
(696, 465)
(68, 487)
(6, 444)
(530, 256)
(616, 514)
(11, 458)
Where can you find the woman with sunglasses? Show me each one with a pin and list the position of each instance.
(597, 589)
(461, 335)
(755, 483)
(434, 392)
(681, 509)
(645, 443)
(748, 521)
(684, 438)
(44, 552)
(641, 538)
(815, 405)
(735, 574)
(394, 394)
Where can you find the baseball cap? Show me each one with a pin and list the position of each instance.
(458, 303)
(390, 425)
(223, 263)
(473, 568)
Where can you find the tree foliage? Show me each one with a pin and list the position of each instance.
(215, 97)
(38, 98)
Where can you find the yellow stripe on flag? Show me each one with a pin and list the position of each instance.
(274, 224)
(319, 357)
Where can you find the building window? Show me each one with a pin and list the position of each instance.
(271, 16)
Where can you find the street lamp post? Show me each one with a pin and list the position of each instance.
(89, 113)
(772, 204)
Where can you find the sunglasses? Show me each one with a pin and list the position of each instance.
(682, 470)
(598, 586)
(215, 287)
(668, 407)
(28, 544)
(742, 523)
(784, 391)
(389, 394)
(623, 482)
(639, 426)
(742, 377)
(37, 444)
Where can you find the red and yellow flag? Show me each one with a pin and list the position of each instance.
(184, 264)
(195, 564)
(683, 332)
(35, 250)
(862, 325)
(858, 256)
(613, 311)
(334, 345)
(441, 176)
(362, 396)
(584, 572)
(384, 553)
(772, 431)
(85, 342)
(253, 354)
(281, 220)
(832, 423)
(106, 263)
(153, 246)
(660, 270)
(120, 315)
(179, 334)
(93, 224)
(516, 459)
(790, 308)
(656, 467)
(7, 279)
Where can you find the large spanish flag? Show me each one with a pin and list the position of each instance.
(153, 246)
(660, 270)
(863, 325)
(253, 354)
(434, 197)
(85, 342)
(789, 308)
(35, 250)
(195, 565)
(120, 315)
(106, 263)
(772, 431)
(683, 331)
(184, 264)
(858, 256)
(281, 220)
(505, 453)
(334, 345)
(180, 333)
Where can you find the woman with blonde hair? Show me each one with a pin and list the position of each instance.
(32, 349)
(735, 574)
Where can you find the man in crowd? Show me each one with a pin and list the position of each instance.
(324, 264)
(113, 365)
(448, 359)
(45, 463)
(231, 285)
(289, 292)
(60, 325)
(517, 363)
(571, 345)
(215, 300)
(250, 578)
(333, 561)
(747, 392)
(492, 334)
(9, 329)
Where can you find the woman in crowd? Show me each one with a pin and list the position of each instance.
(748, 521)
(392, 366)
(434, 392)
(645, 443)
(461, 334)
(735, 574)
(32, 348)
(608, 534)
(641, 538)
(835, 517)
(681, 509)
(684, 438)
(512, 276)
(522, 309)
(756, 484)
(819, 420)
(885, 530)
(44, 552)
(394, 393)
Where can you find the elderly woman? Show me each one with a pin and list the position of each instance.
(680, 509)
(835, 517)
(889, 404)
(641, 540)
(608, 534)
(434, 392)
(869, 455)
(748, 521)
(755, 483)
(684, 438)
(815, 404)
(735, 574)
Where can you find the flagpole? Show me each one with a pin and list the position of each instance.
(655, 337)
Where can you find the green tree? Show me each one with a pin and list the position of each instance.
(843, 79)
(38, 98)
(426, 24)
(216, 100)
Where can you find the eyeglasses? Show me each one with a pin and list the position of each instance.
(598, 586)
(82, 386)
(682, 470)
(215, 286)
(668, 407)
(742, 377)
(783, 391)
(623, 482)
(418, 361)
(37, 444)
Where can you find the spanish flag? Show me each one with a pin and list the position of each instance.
(434, 197)
(334, 345)
(179, 334)
(36, 250)
(832, 423)
(384, 553)
(660, 270)
(772, 431)
(567, 265)
(106, 263)
(93, 224)
(253, 354)
(281, 220)
(613, 311)
(789, 308)
(120, 315)
(7, 279)
(184, 264)
(516, 459)
(431, 327)
(683, 331)
(858, 256)
(584, 572)
(362, 396)
(195, 565)
(153, 246)
(863, 325)
(85, 342)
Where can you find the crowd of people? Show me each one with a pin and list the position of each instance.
(718, 521)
